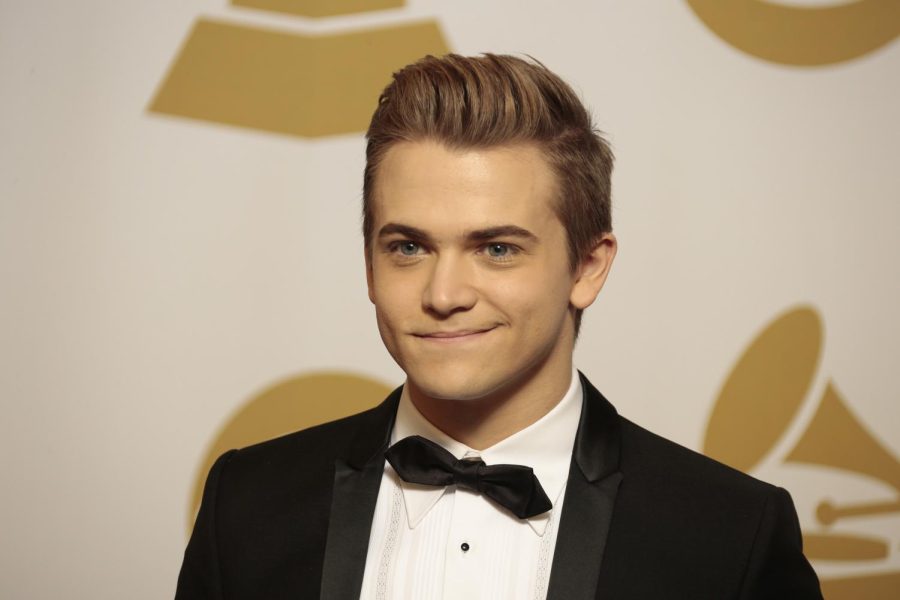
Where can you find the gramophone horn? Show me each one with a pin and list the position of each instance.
(835, 438)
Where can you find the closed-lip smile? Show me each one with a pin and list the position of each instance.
(459, 334)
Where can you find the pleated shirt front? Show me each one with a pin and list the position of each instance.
(433, 543)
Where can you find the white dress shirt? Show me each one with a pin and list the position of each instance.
(434, 543)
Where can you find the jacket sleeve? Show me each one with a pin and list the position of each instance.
(777, 568)
(200, 577)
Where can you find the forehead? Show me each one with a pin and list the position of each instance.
(439, 186)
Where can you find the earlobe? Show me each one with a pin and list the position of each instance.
(592, 272)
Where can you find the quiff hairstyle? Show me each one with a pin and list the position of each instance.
(492, 100)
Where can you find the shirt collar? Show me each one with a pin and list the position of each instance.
(545, 445)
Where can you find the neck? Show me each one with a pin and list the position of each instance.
(480, 423)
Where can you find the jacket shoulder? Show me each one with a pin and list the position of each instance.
(679, 508)
(647, 455)
(313, 449)
(264, 516)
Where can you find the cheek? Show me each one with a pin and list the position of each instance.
(386, 284)
(390, 327)
(532, 294)
(541, 306)
(395, 301)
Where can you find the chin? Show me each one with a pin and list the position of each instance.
(461, 393)
(454, 384)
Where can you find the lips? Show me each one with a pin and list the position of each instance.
(458, 334)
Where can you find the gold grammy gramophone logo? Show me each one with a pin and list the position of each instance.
(307, 85)
(807, 35)
(762, 401)
(320, 84)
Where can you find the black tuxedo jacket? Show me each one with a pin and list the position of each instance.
(643, 518)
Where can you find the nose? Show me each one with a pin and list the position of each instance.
(449, 288)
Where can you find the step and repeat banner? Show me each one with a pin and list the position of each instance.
(181, 264)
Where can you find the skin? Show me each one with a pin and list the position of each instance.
(472, 286)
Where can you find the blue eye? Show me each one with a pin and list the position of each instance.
(409, 248)
(498, 250)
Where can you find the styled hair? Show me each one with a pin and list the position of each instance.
(491, 100)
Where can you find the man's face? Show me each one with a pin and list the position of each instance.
(469, 270)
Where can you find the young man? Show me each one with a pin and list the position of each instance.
(497, 470)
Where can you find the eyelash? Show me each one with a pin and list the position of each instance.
(512, 250)
(394, 247)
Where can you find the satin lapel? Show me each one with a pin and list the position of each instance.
(356, 483)
(594, 479)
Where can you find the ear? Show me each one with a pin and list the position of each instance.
(592, 272)
(367, 256)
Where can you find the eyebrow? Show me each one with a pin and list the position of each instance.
(501, 231)
(408, 231)
(479, 235)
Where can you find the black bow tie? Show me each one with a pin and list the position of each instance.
(514, 487)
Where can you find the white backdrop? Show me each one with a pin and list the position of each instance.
(156, 272)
